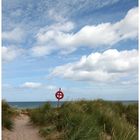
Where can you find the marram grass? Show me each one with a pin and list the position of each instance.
(87, 120)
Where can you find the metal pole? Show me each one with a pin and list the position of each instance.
(58, 103)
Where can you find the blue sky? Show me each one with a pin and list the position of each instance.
(89, 48)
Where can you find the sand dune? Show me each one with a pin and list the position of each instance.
(23, 130)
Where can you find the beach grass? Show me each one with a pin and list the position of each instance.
(87, 120)
(8, 114)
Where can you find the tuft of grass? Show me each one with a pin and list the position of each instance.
(7, 115)
(87, 120)
(42, 115)
(46, 130)
(132, 114)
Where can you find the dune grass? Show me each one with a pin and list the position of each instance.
(87, 120)
(7, 115)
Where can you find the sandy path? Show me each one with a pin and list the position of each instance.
(22, 130)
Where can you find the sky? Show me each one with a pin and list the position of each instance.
(89, 48)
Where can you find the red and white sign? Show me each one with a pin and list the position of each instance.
(59, 94)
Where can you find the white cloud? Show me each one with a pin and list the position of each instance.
(10, 53)
(55, 16)
(39, 51)
(44, 45)
(105, 34)
(31, 85)
(109, 66)
(37, 85)
(16, 35)
(51, 87)
(47, 33)
(128, 27)
(68, 8)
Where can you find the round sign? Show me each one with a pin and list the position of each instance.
(59, 95)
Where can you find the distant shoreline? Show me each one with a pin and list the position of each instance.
(35, 104)
(79, 100)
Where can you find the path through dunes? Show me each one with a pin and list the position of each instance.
(23, 130)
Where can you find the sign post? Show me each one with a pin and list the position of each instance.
(59, 95)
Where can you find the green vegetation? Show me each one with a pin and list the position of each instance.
(7, 115)
(87, 120)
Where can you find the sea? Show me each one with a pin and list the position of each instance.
(25, 105)
(33, 104)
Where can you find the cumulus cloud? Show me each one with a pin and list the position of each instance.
(10, 53)
(109, 66)
(37, 85)
(39, 51)
(47, 33)
(105, 34)
(15, 35)
(45, 45)
(31, 85)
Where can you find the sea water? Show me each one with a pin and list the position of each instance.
(53, 103)
(32, 104)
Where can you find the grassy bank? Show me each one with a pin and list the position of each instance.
(8, 115)
(87, 120)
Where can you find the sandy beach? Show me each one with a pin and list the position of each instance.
(22, 130)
